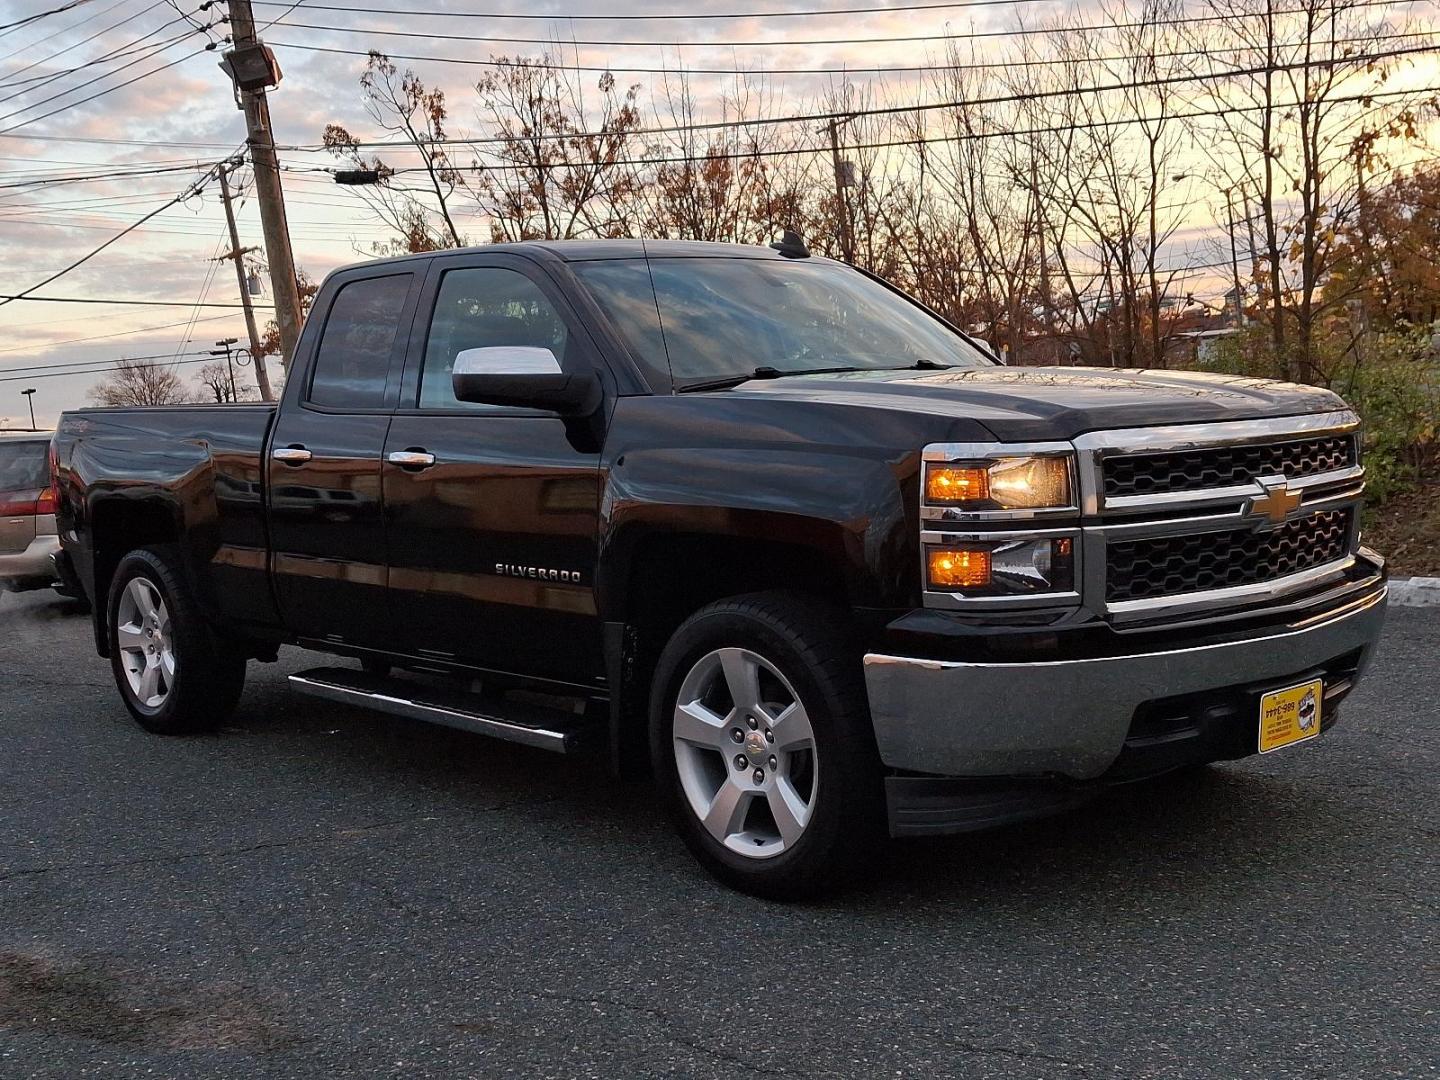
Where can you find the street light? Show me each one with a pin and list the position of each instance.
(30, 397)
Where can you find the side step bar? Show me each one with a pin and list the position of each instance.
(546, 729)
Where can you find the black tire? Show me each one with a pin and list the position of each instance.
(209, 672)
(804, 641)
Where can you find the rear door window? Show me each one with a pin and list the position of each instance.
(24, 466)
(353, 362)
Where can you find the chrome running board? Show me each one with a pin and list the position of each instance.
(546, 729)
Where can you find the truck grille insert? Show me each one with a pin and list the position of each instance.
(1171, 565)
(1225, 466)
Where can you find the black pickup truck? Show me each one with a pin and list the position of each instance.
(749, 519)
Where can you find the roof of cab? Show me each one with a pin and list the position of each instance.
(595, 250)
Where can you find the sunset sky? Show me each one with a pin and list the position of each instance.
(183, 118)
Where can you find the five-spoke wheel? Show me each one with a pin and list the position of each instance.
(142, 632)
(177, 672)
(761, 742)
(745, 752)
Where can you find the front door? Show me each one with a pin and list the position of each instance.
(492, 512)
(327, 532)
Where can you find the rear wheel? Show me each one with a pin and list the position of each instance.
(761, 740)
(174, 673)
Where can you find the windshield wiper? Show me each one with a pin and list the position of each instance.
(763, 372)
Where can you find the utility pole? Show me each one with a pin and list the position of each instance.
(252, 67)
(842, 205)
(29, 396)
(224, 350)
(237, 253)
(1234, 259)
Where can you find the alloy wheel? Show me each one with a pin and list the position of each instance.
(142, 635)
(745, 753)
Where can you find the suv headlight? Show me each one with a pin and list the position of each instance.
(1026, 482)
(1001, 567)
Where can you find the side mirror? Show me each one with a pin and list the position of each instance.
(523, 375)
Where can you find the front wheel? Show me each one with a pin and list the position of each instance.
(175, 674)
(761, 740)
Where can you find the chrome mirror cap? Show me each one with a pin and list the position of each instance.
(506, 360)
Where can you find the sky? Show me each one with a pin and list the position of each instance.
(182, 117)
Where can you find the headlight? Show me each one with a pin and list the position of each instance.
(1002, 567)
(1031, 482)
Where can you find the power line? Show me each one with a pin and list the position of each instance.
(10, 27)
(915, 109)
(66, 29)
(891, 70)
(193, 188)
(5, 298)
(102, 93)
(689, 17)
(149, 52)
(131, 49)
(82, 41)
(115, 334)
(62, 365)
(37, 81)
(790, 42)
(205, 358)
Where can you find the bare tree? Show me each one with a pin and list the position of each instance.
(401, 104)
(560, 168)
(135, 382)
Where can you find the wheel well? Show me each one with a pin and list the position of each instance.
(673, 576)
(119, 527)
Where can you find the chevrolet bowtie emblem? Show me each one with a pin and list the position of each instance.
(1276, 503)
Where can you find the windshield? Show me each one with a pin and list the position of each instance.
(725, 317)
(24, 465)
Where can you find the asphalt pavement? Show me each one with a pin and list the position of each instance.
(316, 891)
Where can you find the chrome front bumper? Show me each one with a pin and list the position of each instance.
(32, 565)
(1071, 717)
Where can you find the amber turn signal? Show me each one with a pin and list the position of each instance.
(956, 484)
(959, 568)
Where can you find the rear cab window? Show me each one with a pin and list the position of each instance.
(354, 359)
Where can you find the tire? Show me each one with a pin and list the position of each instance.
(784, 817)
(174, 673)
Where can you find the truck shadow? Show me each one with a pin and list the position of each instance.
(1187, 833)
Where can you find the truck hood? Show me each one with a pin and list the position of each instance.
(1053, 402)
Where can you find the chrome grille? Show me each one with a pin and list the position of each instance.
(1170, 565)
(1224, 466)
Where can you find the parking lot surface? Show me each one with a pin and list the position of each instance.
(320, 892)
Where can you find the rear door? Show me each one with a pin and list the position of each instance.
(24, 475)
(492, 540)
(326, 528)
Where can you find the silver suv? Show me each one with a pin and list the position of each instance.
(27, 512)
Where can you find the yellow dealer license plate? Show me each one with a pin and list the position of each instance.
(1291, 715)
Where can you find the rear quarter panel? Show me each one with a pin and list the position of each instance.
(196, 469)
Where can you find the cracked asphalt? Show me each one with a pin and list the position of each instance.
(320, 892)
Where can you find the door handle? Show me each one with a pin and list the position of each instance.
(411, 459)
(291, 455)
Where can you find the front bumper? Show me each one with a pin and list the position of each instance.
(31, 568)
(1072, 718)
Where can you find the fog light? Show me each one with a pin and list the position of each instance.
(1003, 567)
(959, 568)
